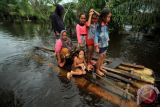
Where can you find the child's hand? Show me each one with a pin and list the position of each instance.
(91, 10)
(91, 13)
(97, 49)
(89, 67)
(57, 33)
(81, 45)
(81, 65)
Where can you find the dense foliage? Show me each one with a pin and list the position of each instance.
(138, 13)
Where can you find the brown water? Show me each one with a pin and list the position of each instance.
(27, 80)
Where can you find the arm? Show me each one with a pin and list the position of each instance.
(58, 47)
(75, 62)
(90, 17)
(96, 41)
(97, 12)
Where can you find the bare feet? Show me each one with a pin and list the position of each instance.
(100, 73)
(102, 69)
(69, 75)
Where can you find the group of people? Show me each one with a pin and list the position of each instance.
(92, 35)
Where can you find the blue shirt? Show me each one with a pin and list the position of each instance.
(102, 37)
(92, 31)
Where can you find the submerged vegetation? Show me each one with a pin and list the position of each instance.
(141, 14)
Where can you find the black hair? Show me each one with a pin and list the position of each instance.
(103, 14)
(82, 14)
(59, 10)
(76, 53)
(102, 17)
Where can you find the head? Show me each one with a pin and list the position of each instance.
(63, 35)
(81, 54)
(59, 10)
(105, 16)
(94, 18)
(82, 18)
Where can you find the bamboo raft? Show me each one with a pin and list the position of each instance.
(120, 82)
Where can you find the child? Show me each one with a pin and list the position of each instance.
(92, 26)
(79, 65)
(81, 30)
(102, 38)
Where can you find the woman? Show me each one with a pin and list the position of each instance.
(63, 48)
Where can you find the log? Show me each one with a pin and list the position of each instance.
(133, 65)
(144, 78)
(122, 79)
(144, 71)
(127, 74)
(91, 87)
(115, 86)
(44, 49)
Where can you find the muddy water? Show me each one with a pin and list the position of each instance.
(27, 80)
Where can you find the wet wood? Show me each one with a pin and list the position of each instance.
(116, 100)
(44, 49)
(127, 74)
(133, 65)
(135, 84)
(144, 71)
(115, 86)
(100, 92)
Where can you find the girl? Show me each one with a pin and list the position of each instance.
(102, 38)
(79, 65)
(92, 26)
(81, 30)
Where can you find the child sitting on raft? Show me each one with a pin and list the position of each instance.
(79, 65)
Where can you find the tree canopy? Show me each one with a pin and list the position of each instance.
(138, 13)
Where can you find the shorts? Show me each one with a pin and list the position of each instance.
(103, 50)
(90, 42)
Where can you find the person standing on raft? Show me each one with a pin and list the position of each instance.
(92, 27)
(57, 20)
(102, 39)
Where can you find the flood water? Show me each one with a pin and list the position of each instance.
(27, 80)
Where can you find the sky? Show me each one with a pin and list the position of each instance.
(66, 1)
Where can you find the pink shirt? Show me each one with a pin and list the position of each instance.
(81, 30)
(58, 46)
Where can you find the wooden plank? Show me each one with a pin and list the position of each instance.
(144, 71)
(122, 73)
(144, 78)
(133, 65)
(116, 87)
